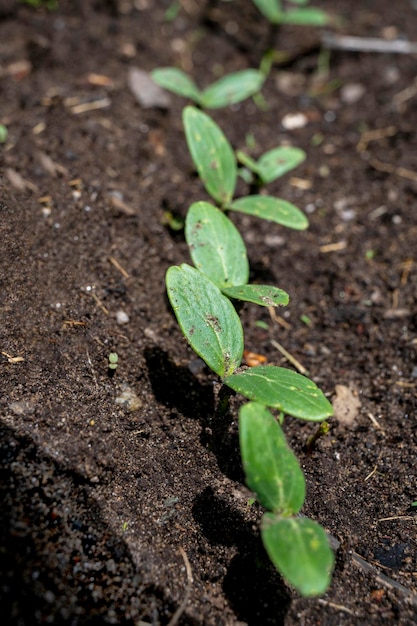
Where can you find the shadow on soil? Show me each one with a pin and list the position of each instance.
(59, 561)
(253, 587)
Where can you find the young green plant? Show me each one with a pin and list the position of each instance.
(201, 298)
(217, 168)
(228, 90)
(276, 12)
(297, 546)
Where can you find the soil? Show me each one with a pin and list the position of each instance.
(134, 511)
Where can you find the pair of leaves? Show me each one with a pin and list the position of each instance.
(305, 16)
(216, 164)
(211, 325)
(218, 250)
(274, 163)
(228, 90)
(297, 546)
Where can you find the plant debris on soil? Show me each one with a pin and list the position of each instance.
(123, 497)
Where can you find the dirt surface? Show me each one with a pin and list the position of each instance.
(106, 501)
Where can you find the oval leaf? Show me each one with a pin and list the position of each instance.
(271, 468)
(279, 161)
(177, 81)
(299, 549)
(282, 389)
(265, 295)
(308, 16)
(211, 153)
(272, 209)
(207, 318)
(232, 88)
(271, 9)
(216, 247)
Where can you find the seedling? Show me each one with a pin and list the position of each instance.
(272, 164)
(216, 164)
(228, 90)
(276, 13)
(201, 297)
(297, 547)
(113, 363)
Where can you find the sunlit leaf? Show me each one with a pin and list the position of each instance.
(232, 88)
(272, 209)
(215, 244)
(206, 317)
(299, 549)
(177, 81)
(271, 468)
(282, 389)
(212, 154)
(265, 295)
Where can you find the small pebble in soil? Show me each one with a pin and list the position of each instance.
(122, 317)
(352, 92)
(291, 121)
(128, 399)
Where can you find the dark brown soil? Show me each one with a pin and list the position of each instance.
(101, 503)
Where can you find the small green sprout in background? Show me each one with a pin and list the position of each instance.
(228, 90)
(173, 221)
(262, 324)
(3, 133)
(172, 11)
(414, 503)
(275, 13)
(306, 320)
(369, 255)
(113, 363)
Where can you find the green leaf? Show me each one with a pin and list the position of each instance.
(265, 295)
(299, 549)
(272, 209)
(309, 16)
(279, 161)
(212, 154)
(177, 81)
(216, 247)
(206, 317)
(232, 88)
(271, 9)
(271, 468)
(282, 389)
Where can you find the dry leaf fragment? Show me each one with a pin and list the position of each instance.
(253, 359)
(346, 405)
(147, 93)
(13, 359)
